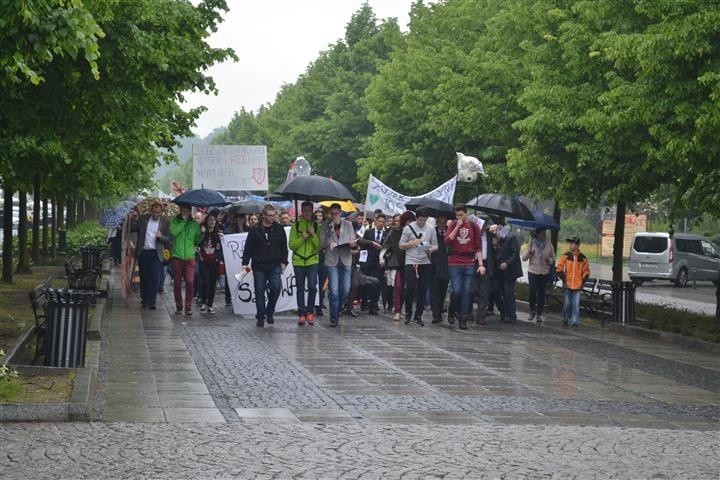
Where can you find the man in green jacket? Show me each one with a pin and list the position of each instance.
(186, 235)
(305, 245)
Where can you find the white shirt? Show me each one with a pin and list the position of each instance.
(150, 234)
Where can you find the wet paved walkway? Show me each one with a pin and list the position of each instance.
(216, 397)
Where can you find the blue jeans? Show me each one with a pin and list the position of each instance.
(462, 279)
(303, 275)
(571, 305)
(149, 266)
(261, 280)
(339, 278)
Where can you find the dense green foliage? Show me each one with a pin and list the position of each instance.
(92, 90)
(87, 234)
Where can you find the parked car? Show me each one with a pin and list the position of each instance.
(682, 258)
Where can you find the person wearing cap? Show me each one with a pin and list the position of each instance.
(540, 256)
(573, 268)
(305, 245)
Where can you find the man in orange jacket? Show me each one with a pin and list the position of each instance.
(573, 268)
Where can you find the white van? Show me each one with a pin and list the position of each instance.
(680, 259)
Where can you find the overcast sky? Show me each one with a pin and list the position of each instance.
(275, 41)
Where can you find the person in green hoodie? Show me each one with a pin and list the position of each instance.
(186, 235)
(305, 245)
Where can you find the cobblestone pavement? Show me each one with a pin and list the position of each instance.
(213, 396)
(352, 451)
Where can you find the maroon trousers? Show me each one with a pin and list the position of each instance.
(183, 270)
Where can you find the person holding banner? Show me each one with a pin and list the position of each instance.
(419, 241)
(337, 239)
(465, 244)
(266, 252)
(305, 245)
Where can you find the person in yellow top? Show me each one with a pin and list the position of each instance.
(573, 268)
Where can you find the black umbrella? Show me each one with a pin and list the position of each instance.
(501, 205)
(434, 206)
(202, 197)
(542, 220)
(246, 208)
(314, 188)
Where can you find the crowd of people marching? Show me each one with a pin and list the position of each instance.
(400, 263)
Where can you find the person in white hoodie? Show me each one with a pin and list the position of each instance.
(541, 256)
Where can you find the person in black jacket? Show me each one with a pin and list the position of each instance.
(509, 264)
(371, 243)
(266, 251)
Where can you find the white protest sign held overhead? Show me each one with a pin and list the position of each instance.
(380, 196)
(230, 167)
(241, 285)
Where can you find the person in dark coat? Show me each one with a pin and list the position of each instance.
(440, 271)
(509, 263)
(266, 251)
(153, 236)
(372, 242)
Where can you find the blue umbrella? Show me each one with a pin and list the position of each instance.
(540, 220)
(202, 197)
(113, 217)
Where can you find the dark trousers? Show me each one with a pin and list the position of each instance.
(149, 267)
(322, 278)
(497, 284)
(263, 279)
(482, 294)
(537, 285)
(416, 284)
(371, 294)
(209, 272)
(438, 292)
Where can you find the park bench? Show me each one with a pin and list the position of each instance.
(39, 298)
(80, 278)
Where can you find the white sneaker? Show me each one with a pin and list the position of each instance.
(202, 308)
(211, 310)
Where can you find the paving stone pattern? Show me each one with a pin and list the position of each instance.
(352, 451)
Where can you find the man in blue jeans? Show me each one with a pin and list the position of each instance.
(464, 241)
(267, 253)
(337, 239)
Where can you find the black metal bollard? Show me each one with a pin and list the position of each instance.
(623, 294)
(66, 328)
(62, 242)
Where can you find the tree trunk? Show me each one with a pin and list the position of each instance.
(618, 243)
(555, 234)
(45, 227)
(35, 250)
(70, 213)
(7, 257)
(54, 226)
(23, 265)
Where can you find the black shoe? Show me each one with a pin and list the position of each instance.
(270, 319)
(333, 322)
(574, 326)
(374, 311)
(152, 307)
(437, 320)
(161, 290)
(143, 304)
(565, 323)
(451, 319)
(407, 321)
(463, 323)
(419, 322)
(260, 323)
(188, 312)
(319, 311)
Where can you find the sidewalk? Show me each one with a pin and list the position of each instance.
(150, 375)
